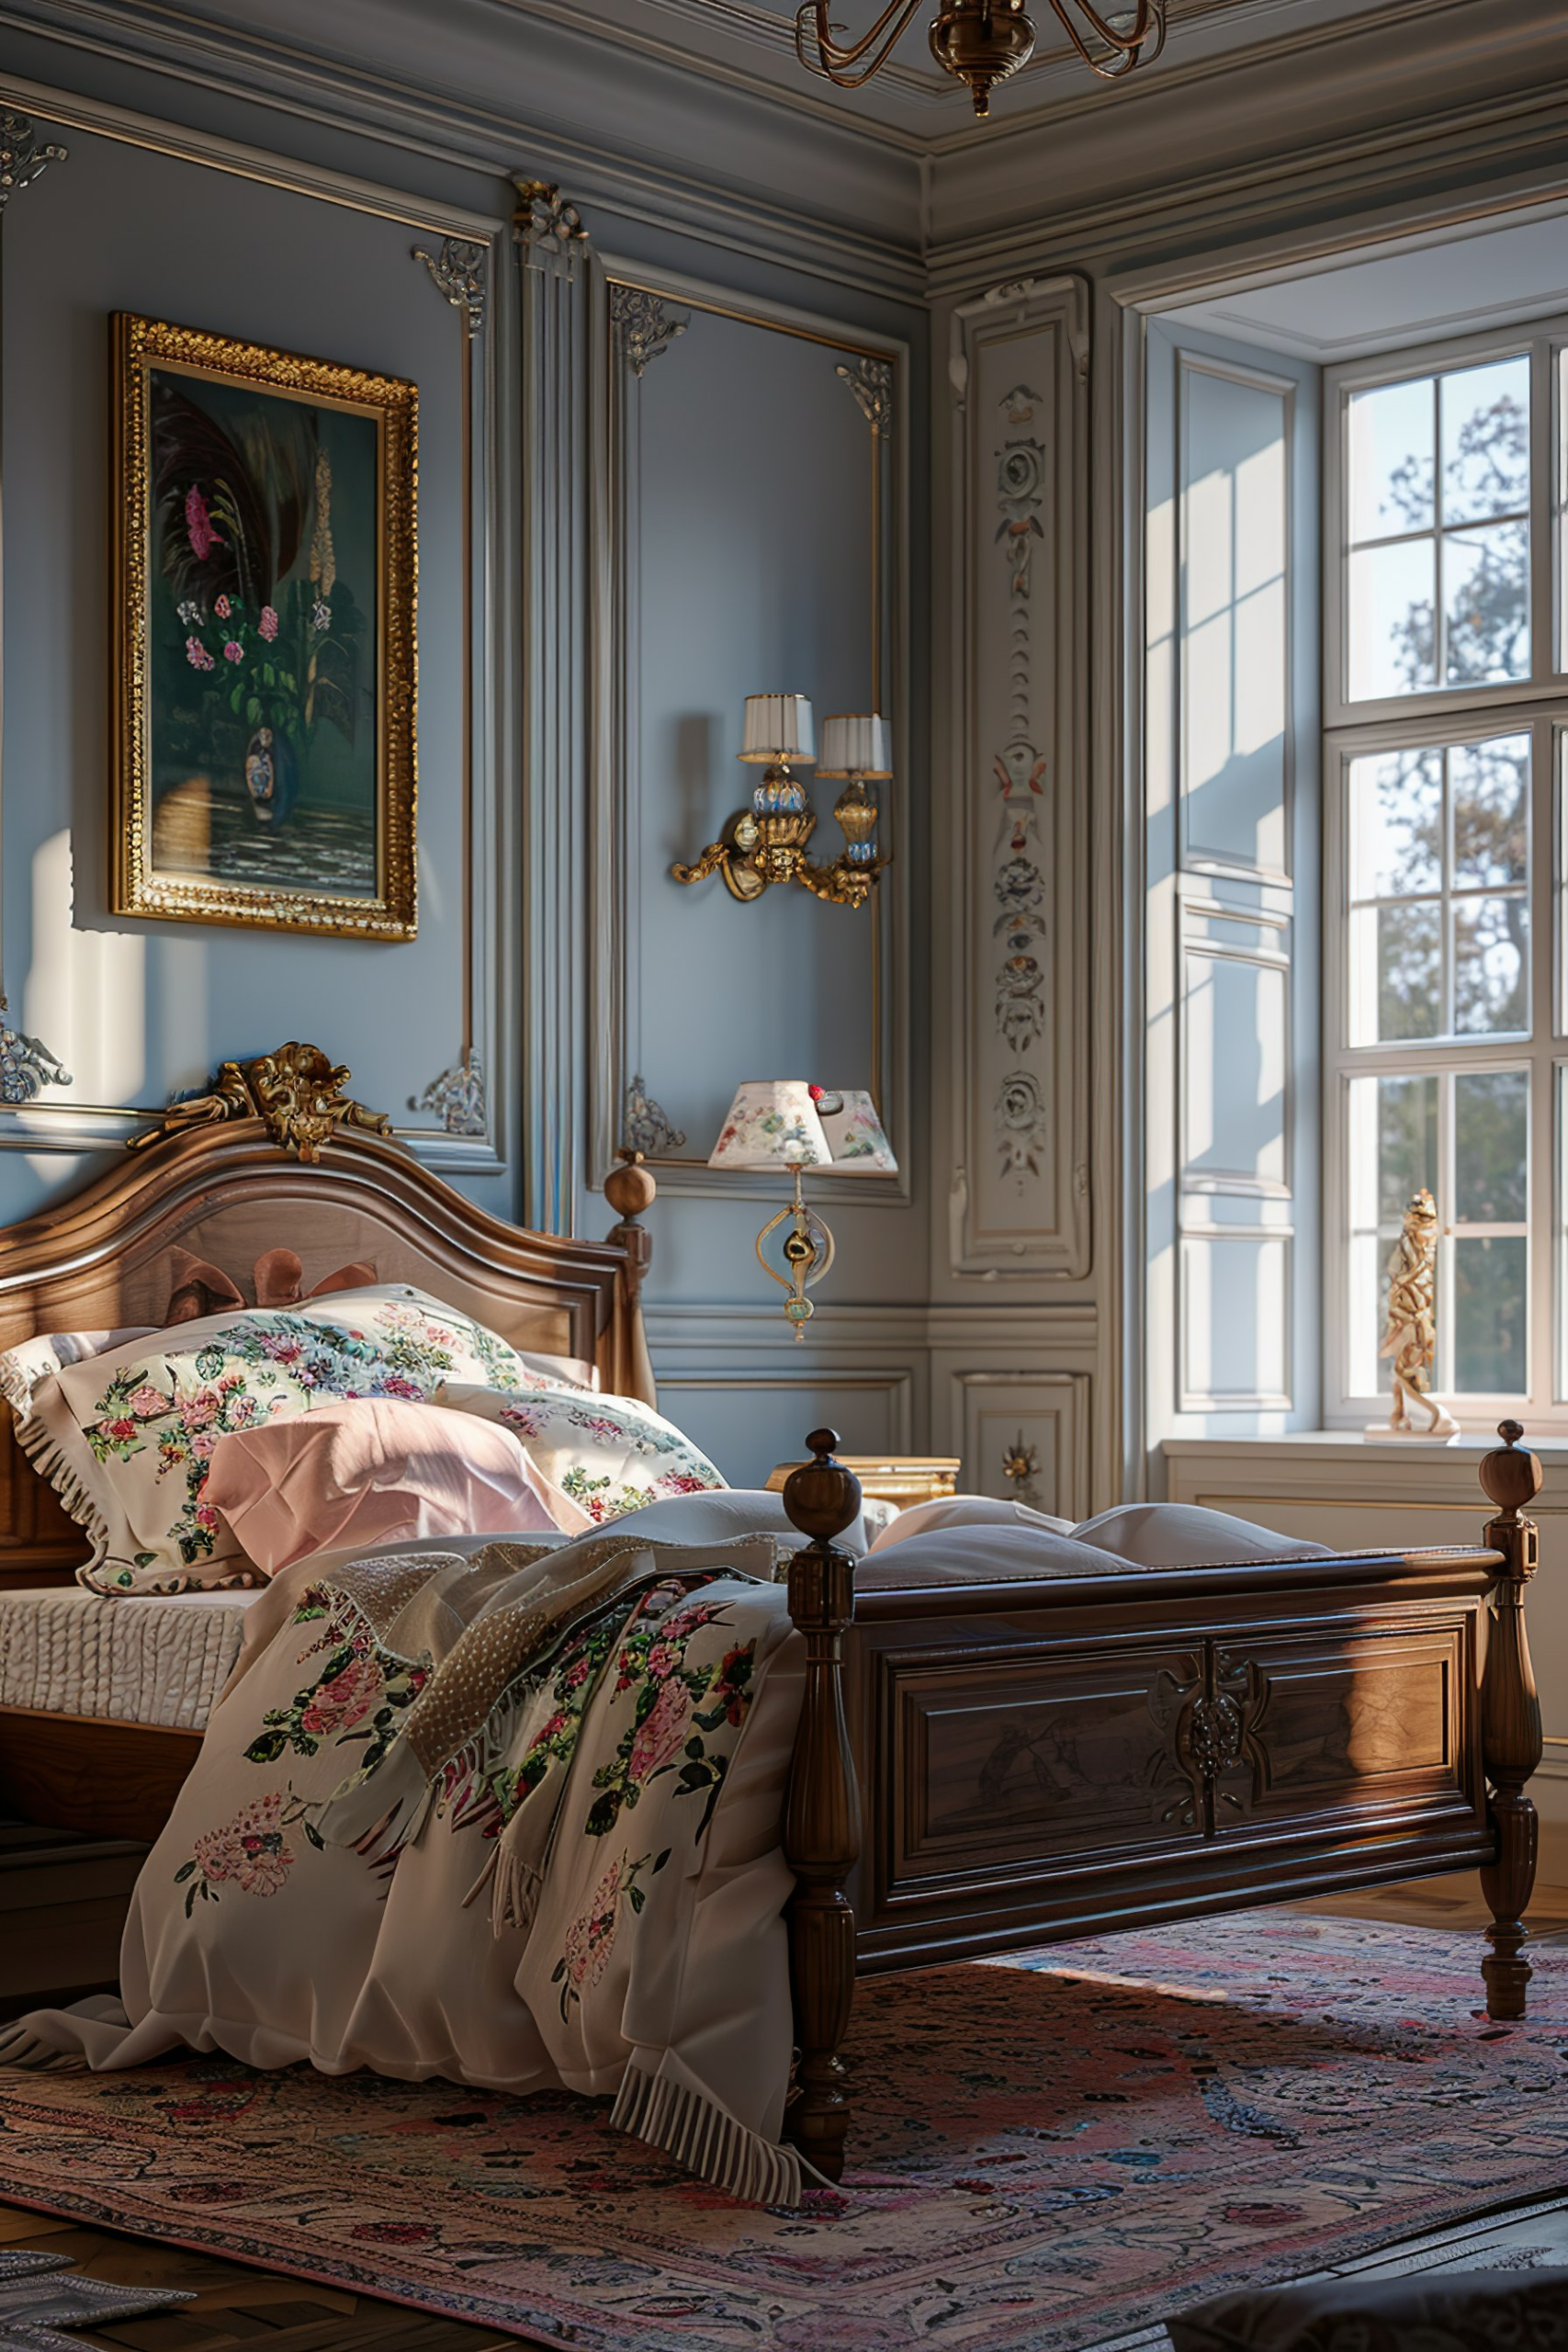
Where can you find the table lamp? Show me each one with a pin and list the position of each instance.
(787, 1122)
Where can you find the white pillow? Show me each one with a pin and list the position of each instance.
(26, 1366)
(611, 1455)
(1184, 1535)
(964, 1510)
(714, 1516)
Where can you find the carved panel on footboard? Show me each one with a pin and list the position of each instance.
(1040, 1786)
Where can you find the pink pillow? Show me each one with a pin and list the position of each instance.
(378, 1470)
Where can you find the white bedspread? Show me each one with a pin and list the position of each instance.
(153, 1660)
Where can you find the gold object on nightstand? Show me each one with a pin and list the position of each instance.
(899, 1479)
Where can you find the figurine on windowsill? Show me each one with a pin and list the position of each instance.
(1411, 1334)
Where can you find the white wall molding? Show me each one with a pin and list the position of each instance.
(1014, 1163)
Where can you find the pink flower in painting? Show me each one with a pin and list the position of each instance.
(147, 1401)
(198, 655)
(202, 1444)
(589, 1940)
(222, 607)
(199, 526)
(206, 1518)
(661, 1734)
(345, 1699)
(234, 651)
(268, 623)
(120, 1429)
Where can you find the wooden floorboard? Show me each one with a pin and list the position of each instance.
(235, 2306)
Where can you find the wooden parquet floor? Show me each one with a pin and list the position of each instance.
(236, 2309)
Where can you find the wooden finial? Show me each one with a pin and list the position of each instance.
(1510, 1475)
(632, 1187)
(822, 1497)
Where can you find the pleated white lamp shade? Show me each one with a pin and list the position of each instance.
(779, 727)
(854, 745)
(771, 1122)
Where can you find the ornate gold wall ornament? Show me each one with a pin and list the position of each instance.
(457, 1098)
(1410, 1335)
(980, 42)
(23, 156)
(641, 329)
(548, 229)
(1021, 1465)
(458, 271)
(298, 1094)
(870, 383)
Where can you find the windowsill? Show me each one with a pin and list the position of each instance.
(1354, 1443)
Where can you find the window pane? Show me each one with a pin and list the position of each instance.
(1491, 966)
(1389, 449)
(1486, 441)
(1486, 597)
(1407, 1142)
(1491, 1147)
(1391, 637)
(1396, 825)
(1410, 986)
(1490, 785)
(1489, 1317)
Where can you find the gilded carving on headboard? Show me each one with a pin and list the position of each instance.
(299, 1094)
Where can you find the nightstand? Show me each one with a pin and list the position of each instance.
(902, 1478)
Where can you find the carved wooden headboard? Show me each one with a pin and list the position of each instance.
(236, 1174)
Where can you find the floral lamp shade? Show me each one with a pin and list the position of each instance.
(772, 1123)
(854, 1134)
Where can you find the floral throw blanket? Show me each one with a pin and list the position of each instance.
(578, 1883)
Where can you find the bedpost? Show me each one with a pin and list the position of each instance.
(630, 1189)
(822, 1814)
(1510, 1722)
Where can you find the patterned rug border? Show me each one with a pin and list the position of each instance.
(1279, 2272)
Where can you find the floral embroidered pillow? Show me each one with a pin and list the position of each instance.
(609, 1454)
(125, 1438)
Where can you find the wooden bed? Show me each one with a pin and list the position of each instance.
(979, 1768)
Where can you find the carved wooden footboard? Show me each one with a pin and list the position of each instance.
(1036, 1759)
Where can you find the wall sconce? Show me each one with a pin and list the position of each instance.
(766, 842)
(784, 1123)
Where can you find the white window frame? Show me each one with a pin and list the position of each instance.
(1445, 715)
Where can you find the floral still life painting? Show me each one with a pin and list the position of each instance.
(265, 613)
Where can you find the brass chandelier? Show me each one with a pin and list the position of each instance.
(981, 42)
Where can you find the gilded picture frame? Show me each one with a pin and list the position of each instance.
(265, 662)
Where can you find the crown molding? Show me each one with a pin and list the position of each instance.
(792, 187)
(1333, 121)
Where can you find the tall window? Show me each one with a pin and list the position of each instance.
(1445, 1054)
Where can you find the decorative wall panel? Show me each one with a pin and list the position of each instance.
(1020, 1202)
(1037, 1424)
(750, 537)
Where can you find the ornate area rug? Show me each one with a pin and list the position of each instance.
(1047, 2153)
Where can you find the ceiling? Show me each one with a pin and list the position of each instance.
(1405, 291)
(753, 42)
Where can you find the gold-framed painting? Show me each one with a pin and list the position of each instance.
(265, 572)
